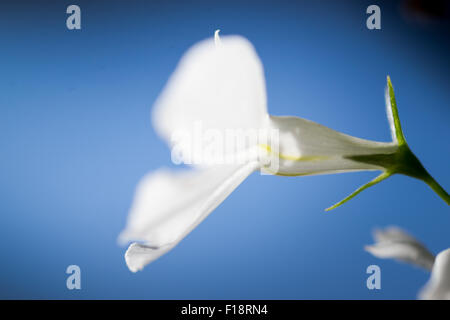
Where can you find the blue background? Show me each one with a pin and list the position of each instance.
(76, 138)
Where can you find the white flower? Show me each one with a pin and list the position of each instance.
(395, 243)
(217, 88)
(438, 287)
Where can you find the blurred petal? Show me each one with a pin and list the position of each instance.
(306, 147)
(219, 87)
(393, 234)
(395, 243)
(168, 205)
(438, 287)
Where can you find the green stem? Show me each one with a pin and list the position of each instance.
(436, 187)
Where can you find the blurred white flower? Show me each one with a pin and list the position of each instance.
(217, 88)
(438, 287)
(394, 243)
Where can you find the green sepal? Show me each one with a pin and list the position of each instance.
(378, 179)
(398, 127)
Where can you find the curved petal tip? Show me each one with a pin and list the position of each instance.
(217, 38)
(138, 255)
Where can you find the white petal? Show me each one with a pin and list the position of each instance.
(438, 287)
(306, 147)
(213, 87)
(168, 205)
(393, 234)
(396, 244)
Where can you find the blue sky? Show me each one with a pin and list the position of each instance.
(76, 138)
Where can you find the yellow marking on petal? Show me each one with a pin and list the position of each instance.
(292, 158)
(265, 169)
